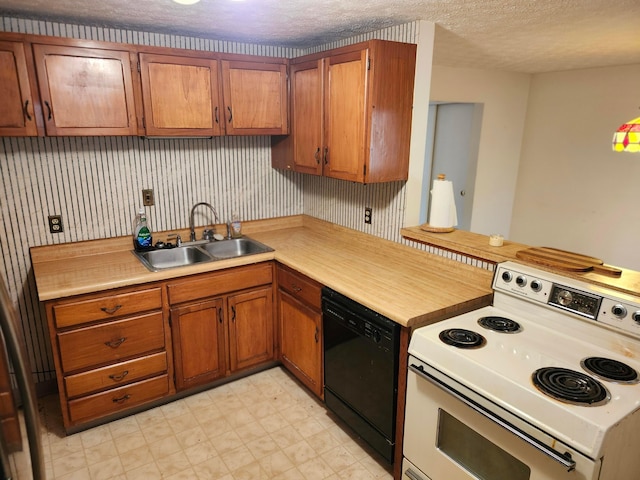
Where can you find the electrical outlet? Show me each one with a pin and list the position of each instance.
(55, 224)
(147, 197)
(367, 215)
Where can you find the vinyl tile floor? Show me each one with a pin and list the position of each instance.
(265, 426)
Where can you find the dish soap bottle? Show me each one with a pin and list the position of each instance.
(141, 232)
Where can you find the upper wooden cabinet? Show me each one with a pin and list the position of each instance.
(181, 95)
(364, 126)
(255, 97)
(85, 91)
(17, 114)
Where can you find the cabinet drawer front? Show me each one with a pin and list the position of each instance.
(218, 283)
(117, 399)
(115, 375)
(109, 342)
(106, 307)
(301, 287)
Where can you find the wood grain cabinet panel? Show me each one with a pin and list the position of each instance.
(300, 327)
(112, 341)
(86, 91)
(106, 307)
(251, 328)
(255, 98)
(115, 400)
(17, 114)
(198, 343)
(115, 375)
(362, 132)
(181, 95)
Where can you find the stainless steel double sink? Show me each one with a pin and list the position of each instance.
(186, 255)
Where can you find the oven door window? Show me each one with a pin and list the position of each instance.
(475, 453)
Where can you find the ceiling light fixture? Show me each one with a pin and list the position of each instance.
(627, 137)
(186, 2)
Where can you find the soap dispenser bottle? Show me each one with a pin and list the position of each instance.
(141, 232)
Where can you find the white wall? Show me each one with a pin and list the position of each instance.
(504, 97)
(573, 192)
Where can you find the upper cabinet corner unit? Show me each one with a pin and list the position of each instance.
(85, 91)
(351, 113)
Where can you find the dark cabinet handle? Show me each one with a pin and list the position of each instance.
(117, 378)
(49, 117)
(295, 288)
(215, 113)
(233, 313)
(317, 156)
(111, 311)
(326, 155)
(317, 335)
(230, 114)
(26, 110)
(220, 315)
(122, 399)
(115, 343)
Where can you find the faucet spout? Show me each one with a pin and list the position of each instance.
(192, 228)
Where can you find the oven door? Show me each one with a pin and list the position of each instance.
(448, 436)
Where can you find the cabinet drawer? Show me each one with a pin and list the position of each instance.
(115, 375)
(110, 342)
(117, 399)
(218, 283)
(106, 307)
(300, 286)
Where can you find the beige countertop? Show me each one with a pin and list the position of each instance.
(405, 284)
(477, 246)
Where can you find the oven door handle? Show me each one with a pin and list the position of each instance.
(563, 459)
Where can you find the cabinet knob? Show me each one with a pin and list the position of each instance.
(112, 310)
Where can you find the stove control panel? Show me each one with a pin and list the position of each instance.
(569, 295)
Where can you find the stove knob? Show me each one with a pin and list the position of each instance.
(536, 285)
(376, 336)
(636, 316)
(521, 280)
(506, 276)
(565, 298)
(619, 311)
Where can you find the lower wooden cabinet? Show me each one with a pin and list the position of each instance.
(111, 352)
(222, 323)
(198, 343)
(129, 347)
(300, 327)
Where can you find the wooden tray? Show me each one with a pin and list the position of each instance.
(567, 261)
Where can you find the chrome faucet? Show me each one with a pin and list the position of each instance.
(192, 229)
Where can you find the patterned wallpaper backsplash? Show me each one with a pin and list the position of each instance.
(95, 183)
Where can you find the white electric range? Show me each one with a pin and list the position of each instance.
(543, 384)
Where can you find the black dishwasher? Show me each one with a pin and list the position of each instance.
(361, 369)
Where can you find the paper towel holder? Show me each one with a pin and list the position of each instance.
(428, 228)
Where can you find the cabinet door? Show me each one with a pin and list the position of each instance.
(17, 116)
(180, 95)
(255, 98)
(251, 328)
(300, 341)
(85, 91)
(198, 343)
(307, 113)
(345, 125)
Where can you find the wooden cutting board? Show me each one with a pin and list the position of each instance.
(567, 261)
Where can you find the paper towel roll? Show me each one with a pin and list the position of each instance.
(442, 211)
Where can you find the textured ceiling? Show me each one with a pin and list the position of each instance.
(516, 35)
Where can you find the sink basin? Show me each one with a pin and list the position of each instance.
(235, 247)
(187, 255)
(170, 258)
